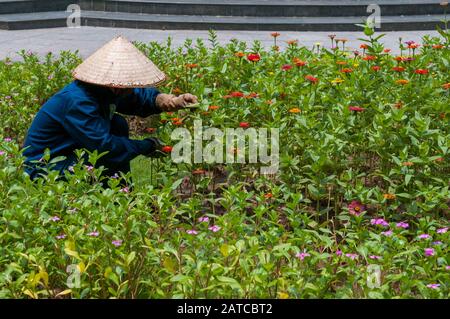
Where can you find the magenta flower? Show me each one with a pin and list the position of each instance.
(55, 219)
(338, 252)
(387, 233)
(8, 139)
(62, 236)
(192, 232)
(402, 225)
(374, 257)
(125, 190)
(94, 234)
(8, 97)
(50, 77)
(433, 286)
(429, 252)
(115, 176)
(214, 228)
(89, 168)
(356, 208)
(117, 243)
(447, 267)
(424, 236)
(2, 153)
(302, 256)
(203, 219)
(379, 221)
(351, 256)
(442, 230)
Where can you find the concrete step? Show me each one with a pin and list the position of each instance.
(280, 8)
(186, 22)
(26, 6)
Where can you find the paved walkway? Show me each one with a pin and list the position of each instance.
(88, 39)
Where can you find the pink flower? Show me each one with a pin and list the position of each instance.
(374, 257)
(55, 219)
(429, 252)
(62, 236)
(192, 232)
(433, 286)
(437, 242)
(351, 256)
(8, 139)
(402, 225)
(447, 267)
(379, 221)
(424, 236)
(442, 230)
(203, 219)
(117, 243)
(356, 108)
(356, 208)
(94, 234)
(338, 252)
(214, 228)
(387, 233)
(125, 190)
(71, 169)
(302, 256)
(89, 168)
(286, 67)
(2, 153)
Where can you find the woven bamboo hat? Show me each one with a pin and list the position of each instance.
(119, 64)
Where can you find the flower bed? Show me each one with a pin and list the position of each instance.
(359, 207)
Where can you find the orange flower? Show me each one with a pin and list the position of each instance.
(292, 42)
(399, 104)
(275, 34)
(398, 69)
(437, 46)
(298, 62)
(364, 46)
(191, 65)
(369, 58)
(175, 119)
(198, 172)
(413, 46)
(341, 62)
(177, 123)
(205, 113)
(269, 102)
(163, 121)
(346, 70)
(408, 164)
(252, 95)
(446, 86)
(268, 195)
(213, 107)
(239, 54)
(439, 159)
(402, 82)
(389, 196)
(311, 79)
(150, 130)
(237, 94)
(295, 110)
(177, 91)
(376, 68)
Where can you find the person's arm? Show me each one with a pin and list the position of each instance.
(147, 101)
(85, 125)
(142, 102)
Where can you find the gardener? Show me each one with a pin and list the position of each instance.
(82, 115)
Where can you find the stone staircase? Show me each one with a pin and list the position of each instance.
(281, 15)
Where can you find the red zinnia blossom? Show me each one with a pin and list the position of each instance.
(311, 79)
(191, 65)
(286, 67)
(298, 62)
(244, 124)
(446, 86)
(346, 70)
(275, 34)
(198, 172)
(356, 108)
(376, 68)
(237, 94)
(438, 46)
(369, 58)
(150, 130)
(387, 50)
(253, 57)
(268, 195)
(421, 71)
(213, 107)
(364, 46)
(167, 149)
(398, 69)
(356, 208)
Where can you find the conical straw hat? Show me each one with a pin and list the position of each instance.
(119, 64)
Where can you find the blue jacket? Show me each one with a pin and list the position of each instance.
(79, 116)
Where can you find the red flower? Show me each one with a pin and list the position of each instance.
(376, 68)
(286, 67)
(421, 71)
(237, 94)
(364, 46)
(150, 130)
(226, 96)
(244, 124)
(311, 79)
(253, 57)
(167, 149)
(298, 62)
(198, 172)
(387, 50)
(369, 58)
(356, 108)
(275, 34)
(346, 70)
(398, 69)
(446, 86)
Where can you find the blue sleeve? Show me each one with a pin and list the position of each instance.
(141, 102)
(85, 125)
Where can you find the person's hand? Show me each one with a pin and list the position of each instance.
(170, 102)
